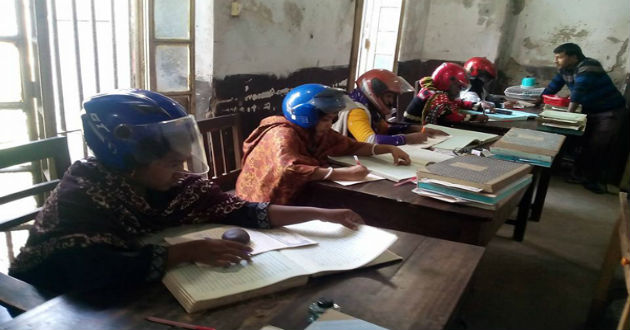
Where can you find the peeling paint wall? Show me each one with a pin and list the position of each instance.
(455, 29)
(601, 28)
(519, 35)
(282, 36)
(273, 46)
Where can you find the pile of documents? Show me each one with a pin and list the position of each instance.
(562, 122)
(528, 146)
(472, 180)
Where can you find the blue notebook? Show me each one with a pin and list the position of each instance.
(479, 197)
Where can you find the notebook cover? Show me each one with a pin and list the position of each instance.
(486, 173)
(530, 141)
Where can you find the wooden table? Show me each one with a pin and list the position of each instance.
(421, 292)
(383, 204)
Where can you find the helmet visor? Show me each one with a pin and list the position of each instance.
(331, 100)
(400, 85)
(175, 144)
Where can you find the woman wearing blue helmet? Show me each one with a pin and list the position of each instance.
(284, 153)
(146, 176)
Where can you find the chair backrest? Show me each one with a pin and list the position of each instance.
(55, 148)
(223, 139)
(18, 296)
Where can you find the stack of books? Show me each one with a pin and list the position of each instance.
(528, 146)
(472, 180)
(562, 122)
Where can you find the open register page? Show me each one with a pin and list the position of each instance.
(202, 287)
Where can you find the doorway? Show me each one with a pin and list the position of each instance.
(378, 42)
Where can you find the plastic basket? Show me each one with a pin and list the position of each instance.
(525, 94)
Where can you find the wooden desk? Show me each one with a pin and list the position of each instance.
(542, 175)
(421, 292)
(384, 205)
(500, 127)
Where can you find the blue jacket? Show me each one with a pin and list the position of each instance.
(590, 86)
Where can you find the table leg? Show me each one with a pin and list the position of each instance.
(523, 212)
(541, 193)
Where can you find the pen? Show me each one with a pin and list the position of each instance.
(356, 159)
(178, 324)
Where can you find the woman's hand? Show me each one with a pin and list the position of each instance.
(481, 118)
(345, 217)
(487, 106)
(213, 252)
(416, 138)
(352, 173)
(400, 157)
(431, 132)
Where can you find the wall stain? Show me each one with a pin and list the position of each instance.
(614, 40)
(294, 14)
(468, 3)
(527, 43)
(486, 13)
(517, 6)
(566, 34)
(263, 11)
(619, 62)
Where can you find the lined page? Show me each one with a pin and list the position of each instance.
(202, 283)
(339, 248)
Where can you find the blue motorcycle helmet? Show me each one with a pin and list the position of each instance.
(131, 128)
(305, 104)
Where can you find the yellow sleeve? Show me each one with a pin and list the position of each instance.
(359, 125)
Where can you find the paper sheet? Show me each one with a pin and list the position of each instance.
(369, 177)
(260, 240)
(452, 185)
(357, 246)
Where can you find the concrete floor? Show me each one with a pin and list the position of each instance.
(546, 281)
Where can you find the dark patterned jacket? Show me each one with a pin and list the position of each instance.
(87, 235)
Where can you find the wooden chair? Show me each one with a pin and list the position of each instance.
(16, 295)
(618, 249)
(222, 139)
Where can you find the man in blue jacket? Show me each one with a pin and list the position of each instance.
(591, 87)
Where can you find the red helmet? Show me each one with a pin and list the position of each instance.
(476, 65)
(447, 73)
(376, 82)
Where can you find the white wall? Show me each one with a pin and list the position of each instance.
(454, 30)
(519, 35)
(600, 28)
(281, 36)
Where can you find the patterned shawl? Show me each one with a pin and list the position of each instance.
(279, 157)
(94, 206)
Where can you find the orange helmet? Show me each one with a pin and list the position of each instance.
(376, 82)
(447, 73)
(476, 65)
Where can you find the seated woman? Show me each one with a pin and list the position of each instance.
(438, 100)
(146, 177)
(284, 153)
(375, 98)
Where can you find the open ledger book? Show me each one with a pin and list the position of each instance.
(383, 164)
(202, 287)
(460, 138)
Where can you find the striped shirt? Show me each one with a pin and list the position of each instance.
(590, 86)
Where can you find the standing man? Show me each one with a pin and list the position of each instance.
(591, 87)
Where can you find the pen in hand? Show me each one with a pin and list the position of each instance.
(356, 159)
